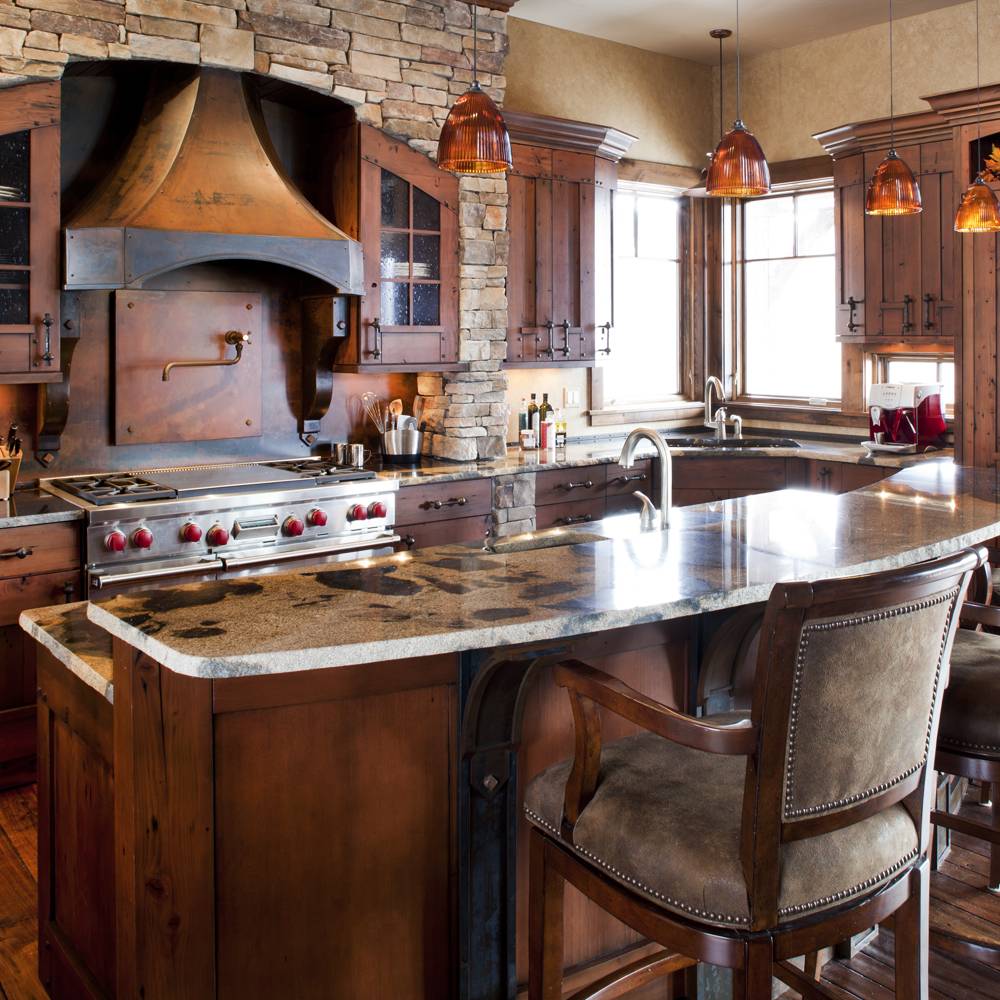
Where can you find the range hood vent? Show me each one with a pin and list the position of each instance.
(200, 181)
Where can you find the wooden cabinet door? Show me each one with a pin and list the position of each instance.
(939, 298)
(530, 321)
(849, 226)
(553, 245)
(408, 317)
(892, 263)
(29, 233)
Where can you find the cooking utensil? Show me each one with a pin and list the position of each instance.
(11, 438)
(373, 408)
(395, 411)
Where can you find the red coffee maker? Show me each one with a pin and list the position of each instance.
(905, 417)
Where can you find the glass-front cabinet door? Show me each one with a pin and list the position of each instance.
(409, 314)
(29, 233)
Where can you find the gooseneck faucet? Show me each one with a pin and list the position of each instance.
(626, 460)
(716, 421)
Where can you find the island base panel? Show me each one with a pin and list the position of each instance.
(293, 834)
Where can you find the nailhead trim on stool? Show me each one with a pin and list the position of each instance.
(725, 918)
(791, 813)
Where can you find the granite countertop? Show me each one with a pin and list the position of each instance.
(607, 450)
(32, 507)
(73, 639)
(458, 597)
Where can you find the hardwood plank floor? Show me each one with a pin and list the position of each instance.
(958, 899)
(18, 894)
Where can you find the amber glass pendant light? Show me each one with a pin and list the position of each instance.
(979, 211)
(893, 190)
(738, 168)
(474, 139)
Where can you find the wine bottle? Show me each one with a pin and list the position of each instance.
(545, 409)
(533, 421)
(522, 416)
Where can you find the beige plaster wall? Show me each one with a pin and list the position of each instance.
(791, 93)
(664, 101)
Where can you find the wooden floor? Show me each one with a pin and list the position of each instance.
(958, 899)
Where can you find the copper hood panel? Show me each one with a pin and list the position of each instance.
(200, 181)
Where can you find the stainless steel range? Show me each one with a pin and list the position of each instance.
(218, 520)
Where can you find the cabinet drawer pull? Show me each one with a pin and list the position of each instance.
(409, 541)
(21, 553)
(928, 302)
(576, 519)
(453, 502)
(587, 485)
(635, 477)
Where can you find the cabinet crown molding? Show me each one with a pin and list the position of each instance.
(957, 107)
(561, 133)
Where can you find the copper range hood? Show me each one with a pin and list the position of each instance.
(200, 181)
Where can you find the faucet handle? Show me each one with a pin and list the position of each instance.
(648, 517)
(737, 425)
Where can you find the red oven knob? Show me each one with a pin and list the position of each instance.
(317, 518)
(378, 509)
(142, 538)
(115, 541)
(217, 535)
(293, 526)
(190, 532)
(357, 513)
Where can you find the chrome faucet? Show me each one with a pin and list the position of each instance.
(716, 421)
(627, 458)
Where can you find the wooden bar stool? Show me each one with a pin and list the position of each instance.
(969, 745)
(746, 841)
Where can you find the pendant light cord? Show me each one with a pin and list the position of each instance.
(979, 104)
(892, 107)
(475, 44)
(722, 117)
(739, 116)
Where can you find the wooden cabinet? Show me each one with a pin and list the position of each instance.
(897, 277)
(404, 210)
(842, 477)
(443, 513)
(559, 217)
(29, 233)
(39, 566)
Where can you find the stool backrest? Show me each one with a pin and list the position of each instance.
(847, 697)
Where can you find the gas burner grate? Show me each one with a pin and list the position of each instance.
(116, 488)
(323, 470)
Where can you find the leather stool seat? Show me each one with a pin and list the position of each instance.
(665, 822)
(970, 712)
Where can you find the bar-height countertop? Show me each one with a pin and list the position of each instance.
(456, 598)
(391, 781)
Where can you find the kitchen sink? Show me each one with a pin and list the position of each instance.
(546, 539)
(731, 443)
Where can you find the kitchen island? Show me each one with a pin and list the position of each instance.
(306, 784)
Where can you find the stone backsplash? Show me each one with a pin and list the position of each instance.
(399, 64)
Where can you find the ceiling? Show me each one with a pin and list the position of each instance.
(681, 27)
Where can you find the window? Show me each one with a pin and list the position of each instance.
(920, 368)
(644, 363)
(785, 347)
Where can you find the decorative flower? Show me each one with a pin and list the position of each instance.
(991, 168)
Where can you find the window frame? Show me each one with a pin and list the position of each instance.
(681, 403)
(879, 361)
(734, 340)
